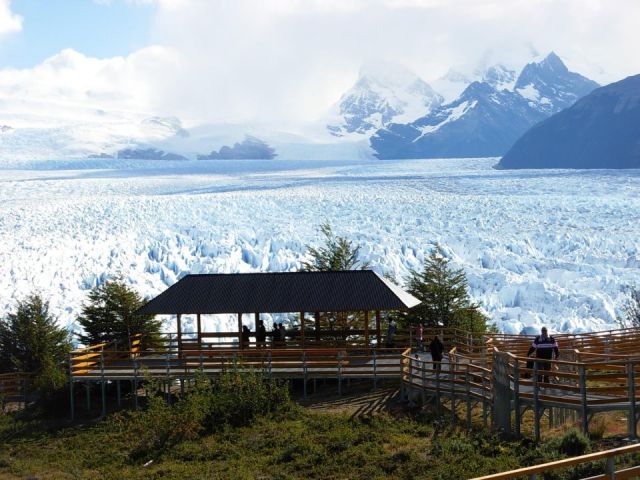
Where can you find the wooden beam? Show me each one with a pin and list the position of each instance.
(179, 330)
(378, 336)
(240, 330)
(199, 327)
(302, 328)
(317, 319)
(366, 328)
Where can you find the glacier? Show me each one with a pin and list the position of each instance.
(554, 247)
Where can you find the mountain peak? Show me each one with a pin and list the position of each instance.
(549, 86)
(553, 62)
(384, 92)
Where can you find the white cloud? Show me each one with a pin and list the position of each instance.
(251, 59)
(287, 60)
(70, 84)
(9, 21)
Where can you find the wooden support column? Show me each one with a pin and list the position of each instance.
(366, 328)
(199, 327)
(302, 328)
(317, 319)
(179, 332)
(240, 331)
(378, 336)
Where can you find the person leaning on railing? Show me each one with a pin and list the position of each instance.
(546, 348)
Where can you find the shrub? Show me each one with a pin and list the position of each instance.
(598, 428)
(574, 443)
(241, 395)
(234, 399)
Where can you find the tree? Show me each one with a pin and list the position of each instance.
(631, 309)
(109, 316)
(337, 253)
(443, 291)
(32, 342)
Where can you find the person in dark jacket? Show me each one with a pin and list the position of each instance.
(437, 349)
(261, 334)
(275, 335)
(246, 333)
(546, 348)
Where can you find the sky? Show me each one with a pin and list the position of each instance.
(283, 61)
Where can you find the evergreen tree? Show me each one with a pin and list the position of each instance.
(443, 291)
(109, 316)
(337, 253)
(32, 342)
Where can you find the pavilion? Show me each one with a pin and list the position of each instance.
(351, 296)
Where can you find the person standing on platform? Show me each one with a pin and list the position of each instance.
(419, 337)
(246, 333)
(437, 349)
(283, 334)
(261, 334)
(275, 335)
(546, 348)
(391, 333)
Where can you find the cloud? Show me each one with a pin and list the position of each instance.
(286, 61)
(70, 84)
(9, 21)
(256, 60)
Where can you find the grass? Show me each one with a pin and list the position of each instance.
(281, 443)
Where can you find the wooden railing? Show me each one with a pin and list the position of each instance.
(14, 385)
(604, 375)
(610, 472)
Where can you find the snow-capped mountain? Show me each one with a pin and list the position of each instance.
(602, 130)
(550, 86)
(500, 77)
(482, 122)
(488, 116)
(384, 92)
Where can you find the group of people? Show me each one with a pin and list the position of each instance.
(278, 334)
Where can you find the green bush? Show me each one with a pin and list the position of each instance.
(574, 443)
(241, 395)
(235, 398)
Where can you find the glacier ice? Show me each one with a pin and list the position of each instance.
(550, 247)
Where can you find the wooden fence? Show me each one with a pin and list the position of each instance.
(608, 456)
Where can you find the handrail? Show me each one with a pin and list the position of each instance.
(568, 462)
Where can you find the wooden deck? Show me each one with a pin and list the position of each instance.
(600, 374)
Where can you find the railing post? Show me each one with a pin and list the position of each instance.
(438, 367)
(102, 384)
(453, 391)
(631, 380)
(135, 384)
(583, 396)
(339, 374)
(516, 395)
(611, 467)
(168, 375)
(468, 392)
(304, 368)
(536, 401)
(375, 370)
(71, 399)
(269, 366)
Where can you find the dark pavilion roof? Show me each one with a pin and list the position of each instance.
(280, 292)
